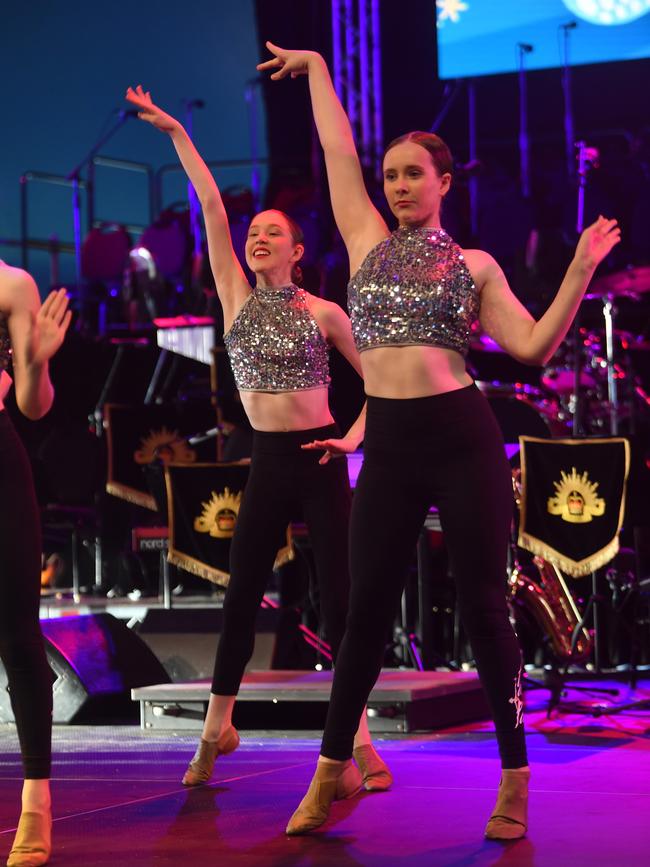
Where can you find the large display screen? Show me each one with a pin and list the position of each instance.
(481, 37)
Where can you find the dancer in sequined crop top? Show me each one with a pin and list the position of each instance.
(275, 344)
(36, 332)
(413, 288)
(431, 437)
(277, 336)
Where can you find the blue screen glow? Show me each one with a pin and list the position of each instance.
(480, 37)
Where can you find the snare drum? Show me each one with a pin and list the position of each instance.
(522, 410)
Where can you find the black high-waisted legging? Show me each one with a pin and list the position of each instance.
(21, 642)
(283, 479)
(445, 450)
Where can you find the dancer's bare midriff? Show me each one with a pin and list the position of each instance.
(287, 410)
(402, 372)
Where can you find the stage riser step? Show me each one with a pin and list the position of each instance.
(402, 701)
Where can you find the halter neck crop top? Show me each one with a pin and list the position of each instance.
(5, 343)
(413, 288)
(275, 343)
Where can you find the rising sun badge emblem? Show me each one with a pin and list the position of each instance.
(219, 515)
(575, 499)
(166, 445)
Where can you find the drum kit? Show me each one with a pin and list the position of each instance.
(591, 385)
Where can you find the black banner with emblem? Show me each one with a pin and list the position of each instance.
(203, 505)
(140, 435)
(573, 500)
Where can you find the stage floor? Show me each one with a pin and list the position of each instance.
(118, 799)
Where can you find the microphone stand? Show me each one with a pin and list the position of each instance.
(524, 139)
(75, 177)
(569, 136)
(569, 140)
(587, 158)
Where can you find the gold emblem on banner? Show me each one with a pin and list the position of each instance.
(166, 445)
(575, 499)
(219, 515)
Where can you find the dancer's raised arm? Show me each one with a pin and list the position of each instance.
(508, 322)
(232, 285)
(358, 221)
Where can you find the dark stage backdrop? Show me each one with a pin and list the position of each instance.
(64, 68)
(610, 105)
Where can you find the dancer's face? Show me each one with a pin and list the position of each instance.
(270, 247)
(412, 185)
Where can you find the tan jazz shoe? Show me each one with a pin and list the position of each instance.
(509, 821)
(374, 770)
(200, 768)
(33, 841)
(331, 782)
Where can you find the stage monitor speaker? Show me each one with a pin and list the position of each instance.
(185, 640)
(96, 660)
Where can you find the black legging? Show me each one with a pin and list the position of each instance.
(445, 450)
(21, 643)
(283, 479)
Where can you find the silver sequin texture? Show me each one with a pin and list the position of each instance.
(5, 343)
(275, 344)
(413, 288)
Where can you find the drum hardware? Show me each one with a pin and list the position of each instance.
(597, 375)
(629, 283)
(587, 159)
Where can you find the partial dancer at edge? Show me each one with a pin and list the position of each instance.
(30, 334)
(413, 297)
(277, 338)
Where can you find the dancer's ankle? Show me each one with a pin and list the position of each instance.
(362, 737)
(325, 761)
(213, 732)
(36, 796)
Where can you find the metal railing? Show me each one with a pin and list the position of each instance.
(76, 185)
(170, 168)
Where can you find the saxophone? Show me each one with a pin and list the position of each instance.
(550, 602)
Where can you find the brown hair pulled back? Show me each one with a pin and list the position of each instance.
(438, 150)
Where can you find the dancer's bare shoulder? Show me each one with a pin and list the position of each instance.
(17, 288)
(328, 314)
(483, 267)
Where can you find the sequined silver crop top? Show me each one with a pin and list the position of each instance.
(275, 343)
(413, 288)
(5, 343)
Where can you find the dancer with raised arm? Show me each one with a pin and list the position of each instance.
(413, 297)
(30, 334)
(277, 337)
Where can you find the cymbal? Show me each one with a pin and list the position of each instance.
(483, 343)
(630, 282)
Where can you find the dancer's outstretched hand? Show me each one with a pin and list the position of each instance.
(596, 242)
(286, 62)
(49, 327)
(150, 112)
(333, 448)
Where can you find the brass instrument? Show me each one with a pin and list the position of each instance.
(549, 600)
